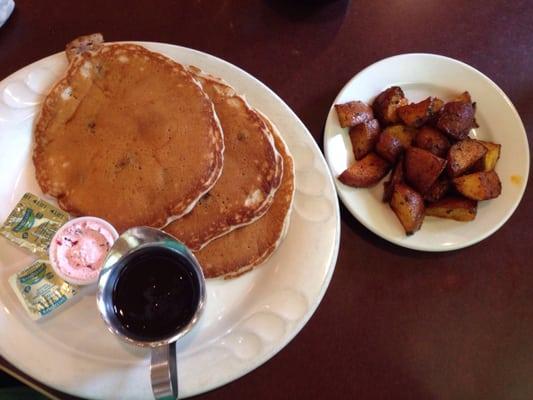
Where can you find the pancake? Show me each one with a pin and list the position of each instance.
(127, 135)
(240, 250)
(83, 44)
(251, 174)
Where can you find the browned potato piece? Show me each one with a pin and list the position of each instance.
(437, 105)
(416, 114)
(436, 108)
(389, 147)
(438, 190)
(456, 119)
(365, 172)
(386, 104)
(479, 185)
(408, 206)
(463, 155)
(353, 113)
(491, 157)
(433, 141)
(422, 168)
(457, 208)
(393, 140)
(364, 137)
(405, 134)
(396, 177)
(464, 97)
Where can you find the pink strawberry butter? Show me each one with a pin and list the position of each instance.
(79, 248)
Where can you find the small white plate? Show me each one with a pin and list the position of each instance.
(422, 75)
(246, 321)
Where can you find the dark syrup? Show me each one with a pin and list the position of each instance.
(155, 294)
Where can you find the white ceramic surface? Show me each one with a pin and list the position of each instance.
(247, 320)
(422, 75)
(6, 8)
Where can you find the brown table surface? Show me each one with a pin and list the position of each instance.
(394, 323)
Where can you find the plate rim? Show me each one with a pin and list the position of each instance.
(334, 249)
(401, 241)
(331, 268)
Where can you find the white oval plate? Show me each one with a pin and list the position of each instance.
(422, 75)
(247, 320)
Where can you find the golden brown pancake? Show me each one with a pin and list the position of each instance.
(127, 135)
(240, 250)
(251, 174)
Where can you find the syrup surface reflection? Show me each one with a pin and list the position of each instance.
(155, 294)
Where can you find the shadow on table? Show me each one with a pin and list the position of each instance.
(12, 389)
(383, 244)
(20, 393)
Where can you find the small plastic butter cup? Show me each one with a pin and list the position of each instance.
(59, 238)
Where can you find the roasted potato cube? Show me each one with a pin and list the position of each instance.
(393, 140)
(364, 137)
(416, 114)
(405, 134)
(463, 155)
(408, 206)
(479, 185)
(457, 208)
(389, 147)
(422, 168)
(396, 177)
(456, 119)
(386, 104)
(353, 113)
(365, 172)
(437, 105)
(491, 157)
(435, 111)
(433, 141)
(438, 190)
(464, 97)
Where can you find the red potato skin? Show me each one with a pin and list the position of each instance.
(366, 172)
(409, 207)
(405, 134)
(463, 155)
(353, 113)
(389, 147)
(456, 119)
(396, 177)
(436, 109)
(364, 137)
(386, 104)
(422, 168)
(432, 140)
(416, 114)
(438, 190)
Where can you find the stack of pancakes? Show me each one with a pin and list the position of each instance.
(133, 137)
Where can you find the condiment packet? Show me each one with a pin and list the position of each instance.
(33, 223)
(40, 290)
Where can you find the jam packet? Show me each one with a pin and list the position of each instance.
(33, 223)
(40, 290)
